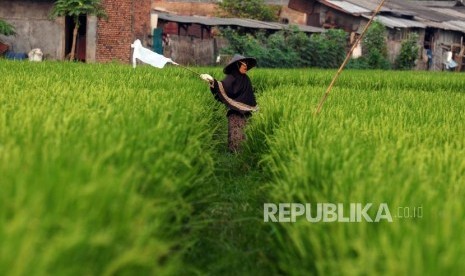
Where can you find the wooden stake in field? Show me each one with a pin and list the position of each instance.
(323, 99)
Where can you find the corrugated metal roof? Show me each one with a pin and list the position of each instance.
(402, 7)
(430, 14)
(449, 17)
(456, 25)
(246, 23)
(348, 7)
(437, 25)
(189, 19)
(369, 5)
(453, 13)
(395, 22)
(276, 2)
(444, 4)
(259, 24)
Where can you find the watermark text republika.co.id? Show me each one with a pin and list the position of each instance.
(338, 212)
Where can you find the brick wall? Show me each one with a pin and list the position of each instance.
(127, 20)
(142, 19)
(204, 9)
(199, 7)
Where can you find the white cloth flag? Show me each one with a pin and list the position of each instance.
(147, 56)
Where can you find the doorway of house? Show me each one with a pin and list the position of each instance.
(429, 37)
(80, 51)
(429, 47)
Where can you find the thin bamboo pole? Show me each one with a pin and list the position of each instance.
(184, 67)
(328, 90)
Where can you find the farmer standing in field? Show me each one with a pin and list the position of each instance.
(237, 93)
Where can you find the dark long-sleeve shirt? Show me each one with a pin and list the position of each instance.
(236, 92)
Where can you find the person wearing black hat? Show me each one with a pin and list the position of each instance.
(237, 93)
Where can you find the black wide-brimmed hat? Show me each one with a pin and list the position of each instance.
(251, 63)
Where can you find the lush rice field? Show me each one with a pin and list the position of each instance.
(109, 170)
(100, 166)
(382, 137)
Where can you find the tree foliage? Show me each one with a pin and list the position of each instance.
(6, 28)
(255, 9)
(75, 9)
(408, 53)
(375, 39)
(374, 49)
(290, 48)
(374, 44)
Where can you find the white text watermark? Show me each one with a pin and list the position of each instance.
(336, 212)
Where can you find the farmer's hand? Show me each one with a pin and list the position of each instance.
(206, 77)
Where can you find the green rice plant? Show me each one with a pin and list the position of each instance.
(373, 80)
(101, 166)
(110, 170)
(387, 138)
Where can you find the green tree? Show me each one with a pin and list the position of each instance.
(74, 9)
(408, 53)
(374, 49)
(6, 29)
(374, 45)
(289, 48)
(255, 9)
(375, 39)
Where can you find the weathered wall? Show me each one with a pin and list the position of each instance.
(193, 30)
(319, 15)
(442, 41)
(91, 39)
(293, 16)
(127, 20)
(331, 18)
(33, 28)
(194, 51)
(305, 6)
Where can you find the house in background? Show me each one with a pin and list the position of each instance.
(439, 24)
(210, 8)
(102, 40)
(194, 39)
(99, 40)
(187, 29)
